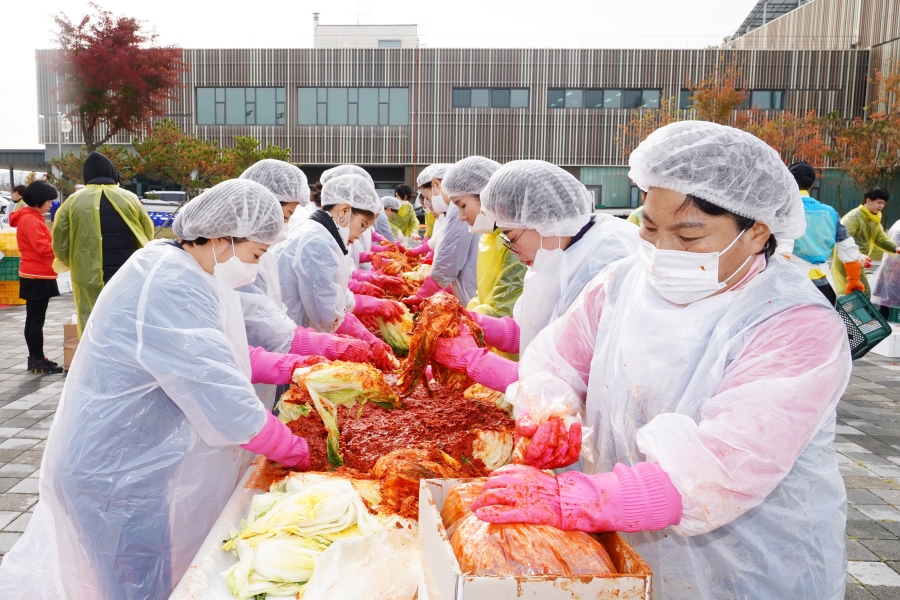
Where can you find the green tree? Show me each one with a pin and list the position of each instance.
(69, 166)
(247, 151)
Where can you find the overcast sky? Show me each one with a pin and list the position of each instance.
(269, 24)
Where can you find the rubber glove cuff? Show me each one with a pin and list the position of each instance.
(271, 367)
(429, 288)
(276, 442)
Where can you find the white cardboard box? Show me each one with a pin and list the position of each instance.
(444, 579)
(890, 346)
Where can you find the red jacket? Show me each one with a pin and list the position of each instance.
(33, 237)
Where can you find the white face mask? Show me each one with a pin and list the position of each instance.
(233, 273)
(684, 277)
(483, 224)
(344, 230)
(437, 202)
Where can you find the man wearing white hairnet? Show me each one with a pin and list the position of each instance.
(545, 217)
(706, 371)
(314, 267)
(146, 446)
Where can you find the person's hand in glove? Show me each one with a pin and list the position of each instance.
(276, 442)
(501, 333)
(387, 309)
(273, 367)
(865, 261)
(462, 353)
(395, 285)
(333, 347)
(630, 499)
(382, 354)
(854, 276)
(546, 445)
(429, 288)
(366, 257)
(419, 250)
(365, 289)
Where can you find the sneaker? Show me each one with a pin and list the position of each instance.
(41, 366)
(50, 362)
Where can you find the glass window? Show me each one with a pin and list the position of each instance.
(500, 98)
(593, 98)
(234, 106)
(322, 94)
(306, 106)
(265, 106)
(684, 100)
(353, 114)
(279, 113)
(322, 113)
(337, 106)
(388, 43)
(368, 106)
(250, 113)
(383, 94)
(206, 106)
(651, 99)
(761, 99)
(399, 106)
(352, 94)
(574, 98)
(220, 113)
(251, 94)
(632, 99)
(481, 98)
(556, 98)
(462, 98)
(612, 98)
(382, 113)
(518, 99)
(778, 100)
(220, 94)
(279, 94)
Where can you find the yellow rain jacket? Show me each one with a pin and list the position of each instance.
(500, 275)
(866, 229)
(77, 243)
(405, 219)
(429, 223)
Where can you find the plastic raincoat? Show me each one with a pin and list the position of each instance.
(866, 229)
(384, 227)
(636, 216)
(886, 280)
(77, 241)
(456, 257)
(429, 223)
(314, 276)
(405, 219)
(144, 450)
(499, 275)
(734, 397)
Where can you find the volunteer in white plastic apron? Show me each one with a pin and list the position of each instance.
(429, 185)
(709, 371)
(545, 216)
(146, 445)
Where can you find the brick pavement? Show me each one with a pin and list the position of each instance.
(868, 443)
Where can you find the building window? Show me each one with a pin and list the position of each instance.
(352, 106)
(684, 100)
(765, 100)
(389, 43)
(240, 106)
(608, 99)
(596, 192)
(490, 98)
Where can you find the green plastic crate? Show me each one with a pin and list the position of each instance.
(894, 315)
(9, 268)
(865, 325)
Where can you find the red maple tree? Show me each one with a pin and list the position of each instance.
(113, 73)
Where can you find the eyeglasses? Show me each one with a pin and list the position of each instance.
(511, 244)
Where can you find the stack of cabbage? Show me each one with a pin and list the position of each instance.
(286, 532)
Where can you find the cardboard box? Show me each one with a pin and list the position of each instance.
(445, 581)
(70, 343)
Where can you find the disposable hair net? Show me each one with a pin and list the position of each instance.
(725, 166)
(435, 171)
(379, 205)
(354, 190)
(469, 176)
(234, 208)
(391, 202)
(533, 194)
(345, 170)
(285, 180)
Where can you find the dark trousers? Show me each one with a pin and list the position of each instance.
(35, 313)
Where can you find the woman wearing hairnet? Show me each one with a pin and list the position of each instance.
(145, 448)
(314, 267)
(455, 247)
(545, 216)
(707, 371)
(429, 185)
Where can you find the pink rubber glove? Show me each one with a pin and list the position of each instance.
(276, 442)
(548, 445)
(501, 333)
(272, 367)
(387, 309)
(391, 284)
(630, 499)
(365, 289)
(377, 237)
(333, 347)
(429, 288)
(419, 250)
(483, 366)
(382, 354)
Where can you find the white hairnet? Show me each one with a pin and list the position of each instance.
(283, 179)
(431, 172)
(469, 176)
(354, 190)
(345, 170)
(725, 166)
(391, 202)
(234, 208)
(379, 205)
(533, 194)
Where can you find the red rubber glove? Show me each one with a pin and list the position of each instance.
(382, 355)
(386, 309)
(866, 261)
(548, 445)
(419, 250)
(333, 347)
(276, 442)
(854, 277)
(365, 289)
(462, 353)
(272, 367)
(429, 288)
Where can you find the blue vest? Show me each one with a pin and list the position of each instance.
(821, 229)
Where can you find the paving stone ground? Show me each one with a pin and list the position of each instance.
(868, 443)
